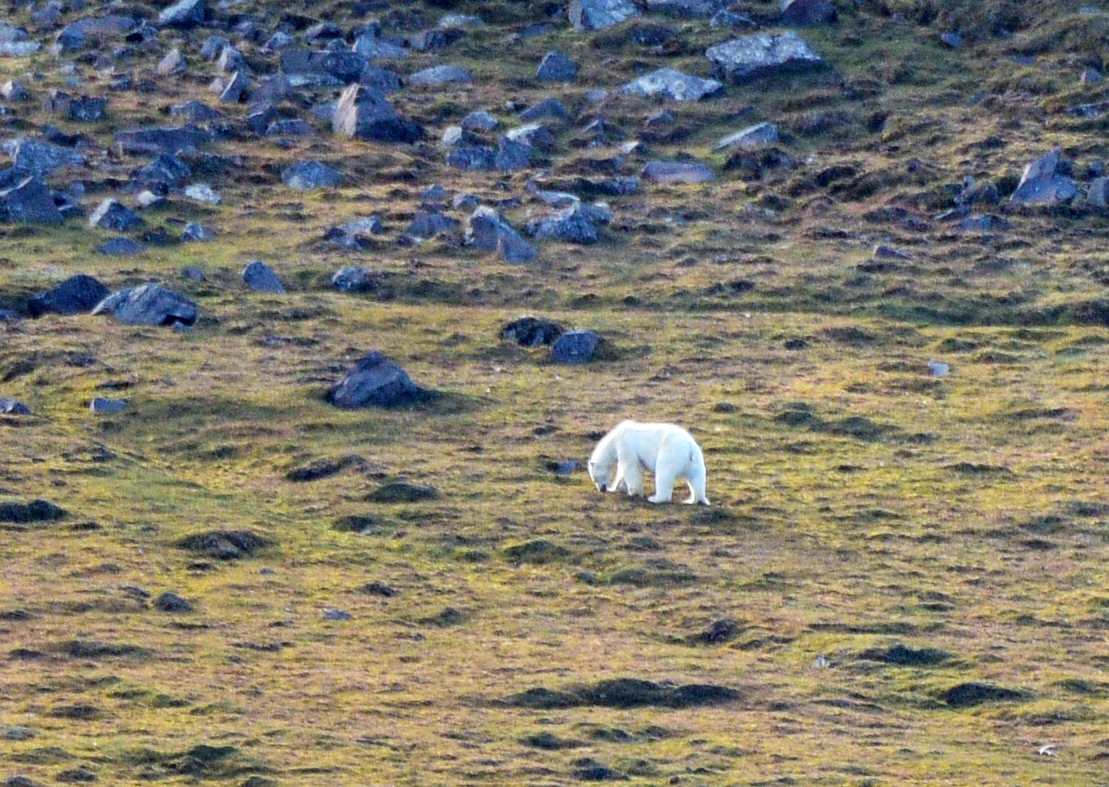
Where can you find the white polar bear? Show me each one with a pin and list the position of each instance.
(668, 451)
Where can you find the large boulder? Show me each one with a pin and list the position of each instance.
(574, 224)
(577, 347)
(488, 230)
(754, 137)
(1040, 184)
(111, 214)
(309, 175)
(261, 277)
(752, 57)
(161, 139)
(76, 295)
(673, 84)
(599, 14)
(686, 9)
(441, 75)
(36, 157)
(29, 202)
(556, 67)
(184, 14)
(363, 114)
(374, 382)
(678, 172)
(148, 304)
(808, 12)
(305, 67)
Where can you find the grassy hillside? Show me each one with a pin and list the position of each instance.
(902, 578)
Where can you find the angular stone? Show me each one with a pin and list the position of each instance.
(375, 382)
(754, 137)
(574, 347)
(599, 14)
(373, 47)
(166, 169)
(164, 139)
(429, 223)
(13, 90)
(383, 80)
(1040, 184)
(148, 304)
(322, 68)
(76, 295)
(355, 280)
(546, 108)
(488, 230)
(172, 64)
(570, 225)
(236, 88)
(441, 75)
(556, 67)
(479, 120)
(752, 57)
(102, 406)
(184, 14)
(309, 175)
(804, 13)
(194, 232)
(362, 114)
(114, 215)
(29, 202)
(260, 277)
(673, 84)
(120, 247)
(686, 9)
(533, 135)
(13, 407)
(35, 157)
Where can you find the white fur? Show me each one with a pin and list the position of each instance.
(668, 451)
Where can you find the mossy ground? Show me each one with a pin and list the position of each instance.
(859, 501)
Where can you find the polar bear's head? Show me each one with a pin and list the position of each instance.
(601, 473)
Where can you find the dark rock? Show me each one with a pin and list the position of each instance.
(101, 406)
(545, 108)
(720, 631)
(754, 137)
(171, 602)
(362, 114)
(225, 545)
(599, 14)
(196, 111)
(38, 158)
(355, 280)
(260, 277)
(752, 57)
(79, 775)
(336, 614)
(403, 492)
(678, 172)
(571, 225)
(76, 295)
(673, 84)
(321, 468)
(686, 9)
(309, 175)
(382, 80)
(374, 382)
(165, 139)
(235, 89)
(532, 135)
(184, 14)
(196, 232)
(1041, 184)
(441, 75)
(230, 60)
(148, 304)
(166, 169)
(488, 230)
(967, 695)
(29, 202)
(355, 235)
(291, 127)
(808, 12)
(373, 47)
(556, 67)
(903, 656)
(753, 164)
(531, 331)
(13, 407)
(430, 223)
(587, 769)
(84, 109)
(114, 215)
(26, 513)
(953, 38)
(1098, 192)
(172, 64)
(575, 347)
(435, 38)
(13, 90)
(120, 247)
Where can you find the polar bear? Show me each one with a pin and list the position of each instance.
(667, 450)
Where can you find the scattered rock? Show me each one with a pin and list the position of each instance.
(308, 175)
(260, 277)
(40, 158)
(336, 614)
(355, 280)
(164, 139)
(441, 75)
(120, 247)
(13, 407)
(574, 347)
(549, 107)
(171, 602)
(556, 67)
(102, 406)
(488, 230)
(13, 90)
(377, 588)
(225, 545)
(374, 382)
(752, 57)
(686, 9)
(321, 468)
(196, 232)
(531, 331)
(754, 137)
(76, 295)
(202, 192)
(599, 14)
(111, 214)
(574, 224)
(148, 304)
(363, 114)
(719, 631)
(29, 202)
(184, 14)
(1040, 184)
(673, 84)
(678, 172)
(903, 656)
(27, 513)
(626, 693)
(805, 13)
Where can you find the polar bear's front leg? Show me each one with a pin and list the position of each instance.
(631, 472)
(665, 476)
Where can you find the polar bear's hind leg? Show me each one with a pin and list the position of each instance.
(696, 480)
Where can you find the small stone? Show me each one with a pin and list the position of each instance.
(171, 602)
(114, 215)
(121, 247)
(355, 280)
(202, 192)
(938, 368)
(194, 232)
(336, 614)
(102, 406)
(259, 276)
(310, 175)
(556, 67)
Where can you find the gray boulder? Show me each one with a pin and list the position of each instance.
(556, 67)
(76, 295)
(678, 172)
(599, 14)
(479, 120)
(575, 347)
(194, 232)
(120, 247)
(429, 223)
(549, 107)
(488, 230)
(374, 382)
(754, 137)
(102, 406)
(531, 331)
(673, 84)
(309, 175)
(363, 114)
(808, 12)
(371, 46)
(14, 90)
(184, 14)
(355, 235)
(166, 169)
(290, 127)
(259, 276)
(533, 135)
(1098, 193)
(162, 139)
(355, 280)
(383, 80)
(83, 109)
(36, 157)
(29, 202)
(13, 407)
(148, 304)
(234, 89)
(574, 224)
(114, 215)
(1040, 184)
(752, 57)
(441, 75)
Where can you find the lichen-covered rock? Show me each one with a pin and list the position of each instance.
(599, 14)
(309, 175)
(673, 84)
(40, 158)
(148, 304)
(556, 67)
(752, 57)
